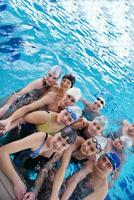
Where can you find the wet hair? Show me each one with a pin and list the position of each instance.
(71, 78)
(70, 133)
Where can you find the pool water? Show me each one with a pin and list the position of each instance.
(93, 40)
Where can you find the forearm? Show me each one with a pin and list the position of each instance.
(58, 180)
(39, 182)
(69, 190)
(19, 113)
(7, 167)
(43, 173)
(59, 176)
(15, 124)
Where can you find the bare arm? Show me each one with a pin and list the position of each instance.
(44, 173)
(37, 84)
(37, 117)
(6, 166)
(46, 100)
(59, 176)
(73, 181)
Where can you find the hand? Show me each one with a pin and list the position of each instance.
(20, 190)
(4, 126)
(29, 196)
(81, 123)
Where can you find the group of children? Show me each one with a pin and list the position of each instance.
(44, 134)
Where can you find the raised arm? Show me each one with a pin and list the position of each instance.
(6, 164)
(59, 176)
(73, 181)
(43, 173)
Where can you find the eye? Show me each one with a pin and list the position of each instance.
(98, 128)
(99, 105)
(59, 138)
(94, 123)
(69, 96)
(104, 159)
(70, 119)
(66, 113)
(92, 149)
(72, 100)
(109, 165)
(64, 145)
(89, 143)
(49, 75)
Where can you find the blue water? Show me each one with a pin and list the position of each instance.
(91, 39)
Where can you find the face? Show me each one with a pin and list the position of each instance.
(104, 166)
(130, 130)
(88, 148)
(67, 100)
(65, 83)
(58, 143)
(65, 117)
(94, 128)
(51, 79)
(96, 105)
(118, 144)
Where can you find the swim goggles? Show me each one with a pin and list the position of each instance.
(73, 115)
(98, 146)
(102, 102)
(111, 159)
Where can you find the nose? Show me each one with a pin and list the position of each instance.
(57, 145)
(104, 164)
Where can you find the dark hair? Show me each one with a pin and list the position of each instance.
(70, 133)
(71, 78)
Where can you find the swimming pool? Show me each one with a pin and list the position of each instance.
(91, 39)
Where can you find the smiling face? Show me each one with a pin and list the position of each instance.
(97, 105)
(94, 128)
(117, 143)
(51, 79)
(65, 83)
(67, 100)
(58, 144)
(65, 117)
(89, 148)
(104, 166)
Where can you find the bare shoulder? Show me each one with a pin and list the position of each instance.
(52, 94)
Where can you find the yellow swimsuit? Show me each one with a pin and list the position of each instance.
(46, 127)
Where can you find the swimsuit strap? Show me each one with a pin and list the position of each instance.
(37, 151)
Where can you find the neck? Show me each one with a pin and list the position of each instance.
(63, 90)
(96, 173)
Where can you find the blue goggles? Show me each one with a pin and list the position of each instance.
(114, 163)
(73, 115)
